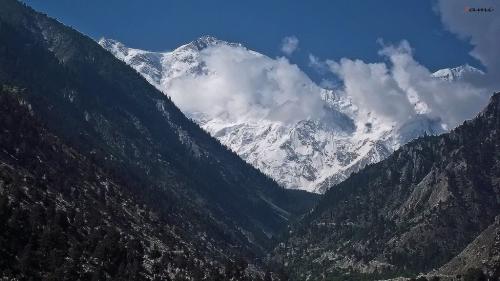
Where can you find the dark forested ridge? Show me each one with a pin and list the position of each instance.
(64, 218)
(410, 213)
(92, 152)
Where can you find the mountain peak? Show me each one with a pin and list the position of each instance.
(105, 42)
(491, 111)
(206, 41)
(113, 45)
(454, 73)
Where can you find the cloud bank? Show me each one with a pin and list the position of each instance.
(289, 45)
(241, 84)
(399, 88)
(244, 84)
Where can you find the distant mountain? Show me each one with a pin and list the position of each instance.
(83, 135)
(310, 153)
(414, 212)
(457, 73)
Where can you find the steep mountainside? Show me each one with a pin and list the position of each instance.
(312, 153)
(457, 73)
(105, 111)
(410, 213)
(483, 253)
(63, 217)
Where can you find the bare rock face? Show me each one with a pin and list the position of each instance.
(411, 213)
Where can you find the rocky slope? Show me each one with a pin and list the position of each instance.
(312, 153)
(483, 253)
(410, 213)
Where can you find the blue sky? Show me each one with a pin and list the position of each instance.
(326, 29)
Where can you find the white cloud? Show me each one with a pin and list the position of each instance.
(242, 84)
(289, 45)
(373, 89)
(399, 87)
(389, 89)
(317, 64)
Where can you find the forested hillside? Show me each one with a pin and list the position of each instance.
(125, 159)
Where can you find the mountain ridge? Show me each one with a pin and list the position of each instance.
(311, 153)
(108, 113)
(396, 217)
(456, 73)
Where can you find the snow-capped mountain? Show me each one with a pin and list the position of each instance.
(456, 73)
(299, 148)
